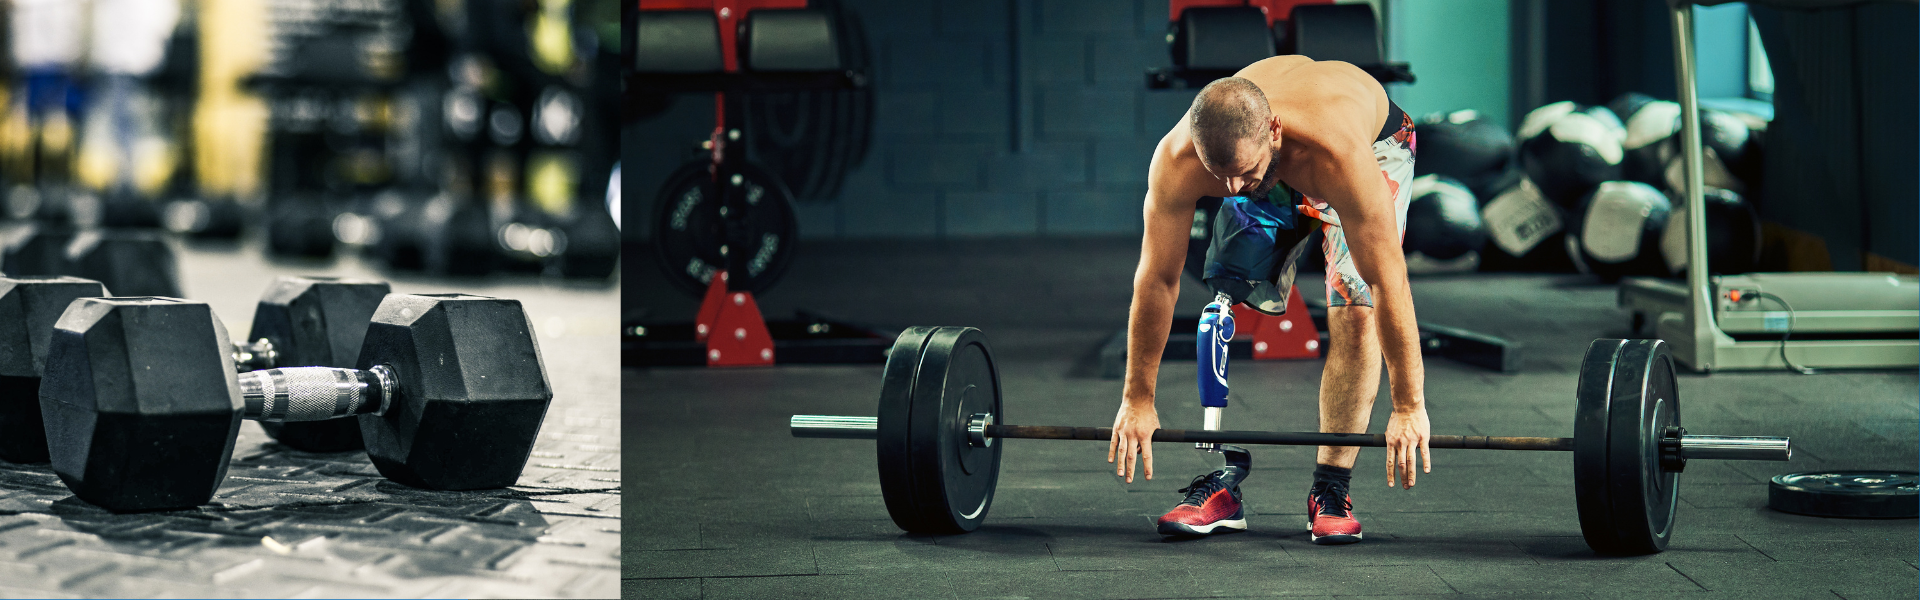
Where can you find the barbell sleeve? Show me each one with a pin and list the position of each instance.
(1733, 447)
(1712, 447)
(836, 427)
(315, 393)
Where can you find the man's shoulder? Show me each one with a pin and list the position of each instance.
(1176, 164)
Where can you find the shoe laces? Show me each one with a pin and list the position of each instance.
(1332, 498)
(1203, 487)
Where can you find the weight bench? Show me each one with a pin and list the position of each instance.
(1209, 41)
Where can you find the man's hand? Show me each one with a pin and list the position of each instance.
(1133, 436)
(1407, 430)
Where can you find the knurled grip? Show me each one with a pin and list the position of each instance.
(314, 393)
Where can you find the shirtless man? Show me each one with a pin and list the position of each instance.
(1307, 141)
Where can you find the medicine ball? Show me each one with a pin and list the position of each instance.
(1618, 230)
(1472, 151)
(1733, 234)
(1524, 232)
(1649, 146)
(1569, 154)
(1629, 103)
(1443, 219)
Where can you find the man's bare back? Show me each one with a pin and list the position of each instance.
(1330, 111)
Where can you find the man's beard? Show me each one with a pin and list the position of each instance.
(1267, 180)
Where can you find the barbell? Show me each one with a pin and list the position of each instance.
(940, 406)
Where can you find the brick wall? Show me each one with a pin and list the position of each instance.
(947, 160)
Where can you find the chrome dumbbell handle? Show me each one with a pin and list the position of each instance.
(316, 393)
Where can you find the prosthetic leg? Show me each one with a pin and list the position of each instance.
(1216, 330)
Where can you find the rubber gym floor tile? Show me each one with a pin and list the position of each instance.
(659, 534)
(1046, 504)
(660, 589)
(755, 534)
(1148, 552)
(790, 559)
(1466, 525)
(1831, 547)
(1088, 529)
(719, 507)
(1556, 595)
(1751, 520)
(835, 587)
(1892, 527)
(1318, 580)
(846, 508)
(1881, 577)
(1477, 577)
(1170, 580)
(1718, 547)
(1381, 548)
(908, 556)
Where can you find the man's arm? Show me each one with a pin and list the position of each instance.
(1168, 214)
(1364, 200)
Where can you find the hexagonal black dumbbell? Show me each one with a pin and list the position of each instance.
(128, 261)
(300, 321)
(28, 308)
(142, 407)
(311, 322)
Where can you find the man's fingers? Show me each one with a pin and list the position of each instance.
(1412, 474)
(1426, 458)
(1146, 452)
(1113, 446)
(1391, 474)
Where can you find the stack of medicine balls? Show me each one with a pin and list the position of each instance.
(1593, 189)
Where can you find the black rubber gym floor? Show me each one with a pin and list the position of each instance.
(729, 506)
(295, 524)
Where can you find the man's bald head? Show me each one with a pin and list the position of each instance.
(1226, 116)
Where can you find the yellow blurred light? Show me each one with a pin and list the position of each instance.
(552, 178)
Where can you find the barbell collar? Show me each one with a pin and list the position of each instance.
(1733, 447)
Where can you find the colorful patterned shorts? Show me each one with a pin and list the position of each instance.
(1395, 157)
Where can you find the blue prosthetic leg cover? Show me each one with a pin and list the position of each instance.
(1216, 329)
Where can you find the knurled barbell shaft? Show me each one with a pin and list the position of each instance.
(1282, 438)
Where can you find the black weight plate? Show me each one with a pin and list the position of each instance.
(1627, 397)
(1590, 422)
(1855, 494)
(688, 229)
(891, 444)
(953, 481)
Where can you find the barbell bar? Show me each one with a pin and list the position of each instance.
(1692, 447)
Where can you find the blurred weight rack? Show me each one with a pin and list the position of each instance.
(209, 146)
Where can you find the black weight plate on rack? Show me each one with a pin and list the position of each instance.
(1855, 494)
(954, 481)
(688, 229)
(1627, 398)
(892, 442)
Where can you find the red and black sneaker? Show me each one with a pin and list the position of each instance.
(1330, 515)
(1211, 506)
